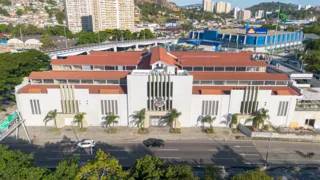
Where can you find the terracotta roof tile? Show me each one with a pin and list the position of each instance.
(160, 54)
(93, 89)
(238, 76)
(225, 90)
(108, 75)
(217, 59)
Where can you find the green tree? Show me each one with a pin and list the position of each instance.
(66, 170)
(139, 118)
(4, 12)
(211, 173)
(78, 119)
(102, 167)
(208, 119)
(313, 45)
(110, 119)
(51, 116)
(60, 16)
(148, 167)
(5, 2)
(186, 27)
(19, 12)
(260, 118)
(175, 172)
(172, 117)
(46, 42)
(58, 31)
(17, 165)
(252, 175)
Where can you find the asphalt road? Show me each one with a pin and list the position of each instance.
(195, 153)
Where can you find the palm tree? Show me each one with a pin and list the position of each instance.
(79, 119)
(140, 117)
(208, 119)
(261, 117)
(52, 115)
(110, 119)
(172, 116)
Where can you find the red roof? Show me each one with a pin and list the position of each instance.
(102, 58)
(108, 75)
(93, 89)
(238, 76)
(217, 59)
(160, 54)
(221, 90)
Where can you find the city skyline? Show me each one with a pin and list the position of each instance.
(247, 3)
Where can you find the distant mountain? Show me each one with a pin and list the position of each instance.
(165, 3)
(191, 6)
(271, 6)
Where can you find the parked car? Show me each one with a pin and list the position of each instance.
(153, 142)
(86, 143)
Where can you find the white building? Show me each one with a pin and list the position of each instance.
(308, 7)
(227, 7)
(259, 14)
(244, 15)
(195, 83)
(299, 7)
(220, 7)
(208, 5)
(98, 15)
(236, 12)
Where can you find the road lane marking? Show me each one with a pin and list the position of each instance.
(167, 149)
(241, 146)
(170, 157)
(243, 154)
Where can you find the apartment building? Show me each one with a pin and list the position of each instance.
(220, 7)
(208, 5)
(98, 15)
(227, 7)
(244, 15)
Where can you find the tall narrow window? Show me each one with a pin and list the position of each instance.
(283, 108)
(109, 106)
(210, 108)
(35, 106)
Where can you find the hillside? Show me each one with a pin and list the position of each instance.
(163, 3)
(271, 6)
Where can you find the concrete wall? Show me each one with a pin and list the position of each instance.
(302, 116)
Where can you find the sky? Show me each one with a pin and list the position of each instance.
(248, 3)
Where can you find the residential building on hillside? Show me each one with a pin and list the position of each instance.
(236, 12)
(259, 14)
(197, 84)
(98, 15)
(208, 5)
(244, 15)
(308, 7)
(227, 7)
(220, 7)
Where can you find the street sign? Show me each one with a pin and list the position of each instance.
(6, 122)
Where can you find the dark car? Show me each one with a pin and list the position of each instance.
(153, 142)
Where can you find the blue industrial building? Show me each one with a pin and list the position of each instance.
(237, 38)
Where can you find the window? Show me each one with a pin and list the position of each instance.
(123, 81)
(257, 82)
(76, 67)
(230, 68)
(74, 81)
(129, 68)
(283, 107)
(101, 68)
(112, 81)
(270, 83)
(35, 106)
(252, 68)
(197, 68)
(99, 81)
(218, 82)
(240, 68)
(310, 122)
(48, 81)
(281, 83)
(109, 106)
(196, 82)
(61, 81)
(188, 68)
(232, 82)
(86, 81)
(109, 68)
(87, 68)
(206, 82)
(244, 82)
(36, 81)
(210, 108)
(219, 68)
(208, 68)
(66, 67)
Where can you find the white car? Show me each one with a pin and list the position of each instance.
(86, 143)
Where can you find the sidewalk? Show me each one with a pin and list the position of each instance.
(125, 134)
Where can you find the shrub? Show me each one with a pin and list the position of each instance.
(82, 129)
(235, 131)
(143, 131)
(175, 131)
(112, 130)
(209, 130)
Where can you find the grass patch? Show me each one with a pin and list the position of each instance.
(143, 131)
(112, 130)
(175, 130)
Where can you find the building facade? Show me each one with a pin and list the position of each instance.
(227, 7)
(208, 5)
(98, 15)
(244, 15)
(220, 7)
(197, 84)
(236, 12)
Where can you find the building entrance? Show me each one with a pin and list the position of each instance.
(155, 120)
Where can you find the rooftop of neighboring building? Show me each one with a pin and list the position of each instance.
(243, 32)
(250, 76)
(108, 75)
